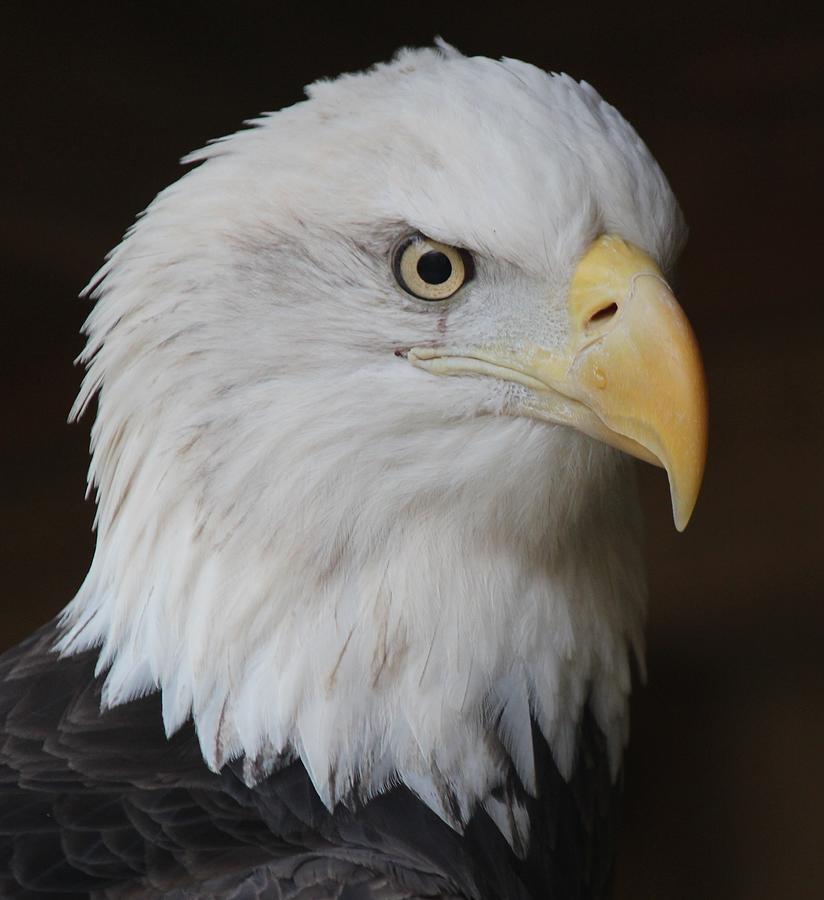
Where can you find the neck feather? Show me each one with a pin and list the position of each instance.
(384, 619)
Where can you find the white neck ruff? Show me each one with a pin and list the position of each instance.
(377, 631)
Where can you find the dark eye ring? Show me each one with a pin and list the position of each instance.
(430, 270)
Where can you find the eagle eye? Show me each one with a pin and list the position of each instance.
(430, 270)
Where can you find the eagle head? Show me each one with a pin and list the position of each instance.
(310, 539)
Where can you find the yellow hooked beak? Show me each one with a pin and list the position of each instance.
(630, 373)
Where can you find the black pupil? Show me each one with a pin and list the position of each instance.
(434, 267)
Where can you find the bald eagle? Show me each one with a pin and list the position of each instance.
(368, 580)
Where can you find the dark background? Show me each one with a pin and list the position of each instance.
(725, 791)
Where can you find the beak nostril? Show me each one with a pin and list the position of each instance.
(601, 315)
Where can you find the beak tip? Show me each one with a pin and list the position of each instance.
(683, 504)
(685, 470)
(681, 514)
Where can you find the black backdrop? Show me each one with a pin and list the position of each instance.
(725, 787)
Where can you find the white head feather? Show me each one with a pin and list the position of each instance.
(308, 545)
